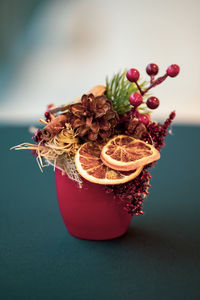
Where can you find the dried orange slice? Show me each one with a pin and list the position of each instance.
(126, 153)
(90, 166)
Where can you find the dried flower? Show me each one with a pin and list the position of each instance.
(132, 193)
(156, 132)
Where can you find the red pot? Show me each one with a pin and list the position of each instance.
(90, 213)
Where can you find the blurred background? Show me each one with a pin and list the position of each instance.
(53, 51)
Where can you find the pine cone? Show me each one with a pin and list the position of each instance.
(135, 128)
(93, 117)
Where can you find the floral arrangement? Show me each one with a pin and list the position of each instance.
(107, 137)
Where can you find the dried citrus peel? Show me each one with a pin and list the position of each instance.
(90, 166)
(125, 153)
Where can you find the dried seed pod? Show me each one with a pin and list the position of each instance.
(98, 90)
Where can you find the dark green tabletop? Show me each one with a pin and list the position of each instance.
(157, 259)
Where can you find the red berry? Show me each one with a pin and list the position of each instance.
(133, 75)
(173, 70)
(135, 99)
(153, 102)
(152, 69)
(142, 118)
(50, 106)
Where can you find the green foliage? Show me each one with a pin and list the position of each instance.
(118, 91)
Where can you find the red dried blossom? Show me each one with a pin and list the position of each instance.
(156, 132)
(37, 136)
(132, 193)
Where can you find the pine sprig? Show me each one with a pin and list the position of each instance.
(118, 91)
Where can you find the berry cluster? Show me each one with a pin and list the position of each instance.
(136, 99)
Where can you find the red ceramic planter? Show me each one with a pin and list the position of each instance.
(90, 213)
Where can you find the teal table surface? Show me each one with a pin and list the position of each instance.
(159, 257)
